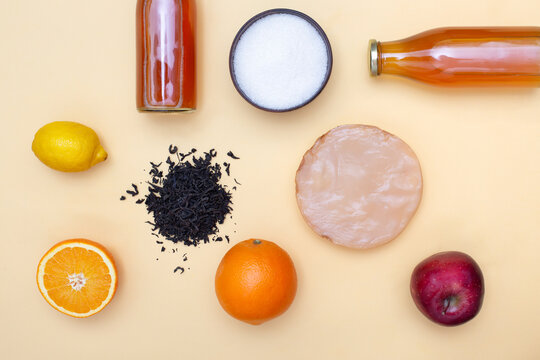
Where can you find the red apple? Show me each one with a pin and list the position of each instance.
(448, 288)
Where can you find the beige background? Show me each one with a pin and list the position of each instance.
(479, 150)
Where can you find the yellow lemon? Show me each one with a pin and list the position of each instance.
(68, 146)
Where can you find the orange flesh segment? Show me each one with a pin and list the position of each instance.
(73, 261)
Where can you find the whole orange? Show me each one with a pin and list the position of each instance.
(255, 281)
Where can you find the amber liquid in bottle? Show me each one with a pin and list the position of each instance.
(166, 55)
(492, 56)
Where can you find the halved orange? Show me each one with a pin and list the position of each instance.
(77, 277)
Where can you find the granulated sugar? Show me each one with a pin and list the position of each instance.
(280, 62)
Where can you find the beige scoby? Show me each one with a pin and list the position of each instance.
(359, 186)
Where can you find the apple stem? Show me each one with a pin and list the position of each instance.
(448, 302)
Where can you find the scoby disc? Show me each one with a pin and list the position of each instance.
(359, 186)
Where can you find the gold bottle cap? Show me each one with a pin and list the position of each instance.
(373, 57)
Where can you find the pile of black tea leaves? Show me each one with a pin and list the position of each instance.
(186, 198)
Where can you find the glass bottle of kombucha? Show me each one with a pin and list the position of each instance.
(166, 55)
(491, 56)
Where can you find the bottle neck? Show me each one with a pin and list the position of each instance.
(393, 58)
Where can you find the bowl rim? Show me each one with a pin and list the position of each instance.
(258, 17)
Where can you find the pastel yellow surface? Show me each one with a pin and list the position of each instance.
(479, 150)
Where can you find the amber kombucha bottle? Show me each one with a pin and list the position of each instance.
(166, 55)
(491, 56)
